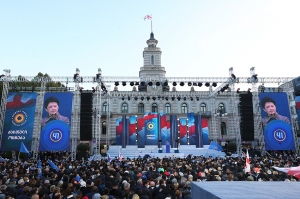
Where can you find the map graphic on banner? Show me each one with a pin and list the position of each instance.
(19, 120)
(56, 122)
(276, 121)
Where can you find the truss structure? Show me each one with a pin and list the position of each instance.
(105, 80)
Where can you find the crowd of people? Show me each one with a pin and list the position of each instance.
(141, 177)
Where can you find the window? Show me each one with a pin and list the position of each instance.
(105, 107)
(168, 108)
(203, 107)
(184, 108)
(223, 128)
(104, 127)
(222, 108)
(124, 108)
(152, 59)
(141, 108)
(154, 108)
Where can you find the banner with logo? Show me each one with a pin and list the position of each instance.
(119, 127)
(132, 130)
(276, 121)
(151, 129)
(19, 120)
(141, 132)
(297, 100)
(192, 129)
(56, 122)
(183, 131)
(205, 132)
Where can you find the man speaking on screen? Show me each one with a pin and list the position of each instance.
(269, 106)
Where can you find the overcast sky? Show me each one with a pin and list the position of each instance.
(197, 38)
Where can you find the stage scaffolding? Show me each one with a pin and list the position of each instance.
(100, 95)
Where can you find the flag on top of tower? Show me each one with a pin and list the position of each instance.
(148, 17)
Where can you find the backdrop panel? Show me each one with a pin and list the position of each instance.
(205, 131)
(151, 129)
(276, 121)
(182, 131)
(132, 130)
(192, 129)
(56, 122)
(119, 127)
(19, 121)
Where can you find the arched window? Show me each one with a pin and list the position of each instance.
(141, 108)
(104, 127)
(184, 108)
(105, 107)
(222, 108)
(168, 108)
(124, 108)
(154, 108)
(152, 59)
(203, 107)
(223, 128)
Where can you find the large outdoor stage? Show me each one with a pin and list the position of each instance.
(153, 151)
(248, 190)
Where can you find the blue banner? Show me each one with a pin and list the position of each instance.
(199, 133)
(56, 122)
(276, 121)
(19, 121)
(151, 129)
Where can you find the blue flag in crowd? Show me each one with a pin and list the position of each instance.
(39, 166)
(215, 146)
(108, 158)
(23, 148)
(52, 165)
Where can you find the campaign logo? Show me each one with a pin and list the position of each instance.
(279, 135)
(150, 126)
(19, 118)
(55, 135)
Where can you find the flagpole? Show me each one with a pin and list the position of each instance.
(151, 24)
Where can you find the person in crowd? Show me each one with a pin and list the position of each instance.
(51, 106)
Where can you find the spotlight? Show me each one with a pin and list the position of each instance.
(135, 98)
(143, 83)
(137, 83)
(219, 92)
(181, 84)
(184, 98)
(173, 98)
(207, 84)
(93, 89)
(122, 98)
(158, 97)
(154, 98)
(157, 83)
(167, 98)
(197, 98)
(165, 83)
(174, 84)
(178, 98)
(150, 83)
(116, 83)
(238, 90)
(142, 98)
(214, 84)
(192, 99)
(189, 83)
(194, 84)
(131, 83)
(148, 98)
(128, 98)
(199, 84)
(124, 83)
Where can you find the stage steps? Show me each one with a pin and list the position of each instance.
(184, 150)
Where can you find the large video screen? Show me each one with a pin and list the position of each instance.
(19, 120)
(276, 121)
(56, 122)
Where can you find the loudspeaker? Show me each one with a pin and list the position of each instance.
(247, 119)
(86, 117)
(296, 85)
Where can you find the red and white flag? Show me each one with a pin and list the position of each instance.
(247, 169)
(148, 17)
(120, 156)
(293, 171)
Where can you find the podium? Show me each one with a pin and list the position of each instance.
(168, 147)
